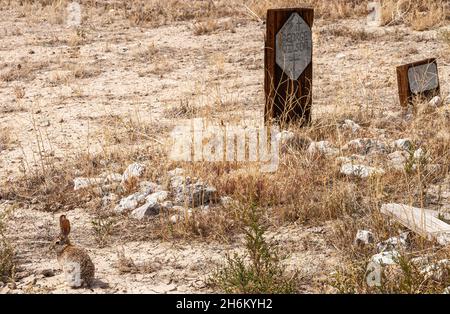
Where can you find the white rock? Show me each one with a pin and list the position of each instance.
(361, 171)
(174, 219)
(386, 258)
(350, 125)
(397, 159)
(403, 143)
(109, 198)
(436, 101)
(167, 205)
(365, 146)
(130, 202)
(159, 196)
(82, 183)
(191, 194)
(364, 237)
(419, 154)
(284, 136)
(150, 208)
(437, 271)
(112, 177)
(322, 147)
(183, 213)
(394, 243)
(135, 170)
(147, 187)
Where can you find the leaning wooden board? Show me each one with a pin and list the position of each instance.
(420, 221)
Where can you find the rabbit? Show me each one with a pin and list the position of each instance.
(75, 261)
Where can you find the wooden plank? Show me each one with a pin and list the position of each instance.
(420, 221)
(286, 100)
(405, 93)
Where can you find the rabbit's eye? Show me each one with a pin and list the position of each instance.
(57, 242)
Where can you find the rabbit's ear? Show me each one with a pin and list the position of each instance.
(64, 224)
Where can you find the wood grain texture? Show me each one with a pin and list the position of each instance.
(404, 91)
(420, 221)
(286, 100)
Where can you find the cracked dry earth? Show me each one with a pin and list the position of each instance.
(223, 70)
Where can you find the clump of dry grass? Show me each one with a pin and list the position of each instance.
(330, 10)
(19, 92)
(5, 138)
(355, 34)
(157, 12)
(7, 264)
(206, 27)
(419, 14)
(22, 71)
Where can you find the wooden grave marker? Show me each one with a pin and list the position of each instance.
(288, 65)
(418, 79)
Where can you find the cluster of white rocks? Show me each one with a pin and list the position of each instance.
(182, 196)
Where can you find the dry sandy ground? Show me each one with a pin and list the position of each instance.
(223, 70)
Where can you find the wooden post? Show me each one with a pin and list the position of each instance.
(288, 65)
(417, 79)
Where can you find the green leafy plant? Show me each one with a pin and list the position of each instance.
(259, 270)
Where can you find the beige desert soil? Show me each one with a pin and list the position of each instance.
(222, 69)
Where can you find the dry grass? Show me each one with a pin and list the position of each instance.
(330, 10)
(419, 14)
(25, 71)
(6, 138)
(206, 27)
(7, 263)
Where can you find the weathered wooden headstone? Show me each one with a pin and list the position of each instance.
(288, 65)
(417, 79)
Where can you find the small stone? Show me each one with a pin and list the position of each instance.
(419, 154)
(191, 194)
(364, 237)
(109, 198)
(436, 101)
(386, 258)
(394, 243)
(135, 170)
(350, 125)
(397, 159)
(147, 187)
(82, 183)
(438, 271)
(130, 202)
(159, 196)
(175, 218)
(365, 146)
(360, 171)
(167, 205)
(403, 143)
(322, 147)
(151, 208)
(47, 273)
